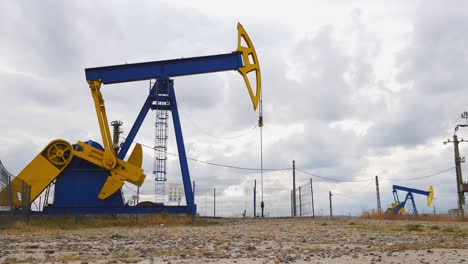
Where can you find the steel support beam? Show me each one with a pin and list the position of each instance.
(165, 69)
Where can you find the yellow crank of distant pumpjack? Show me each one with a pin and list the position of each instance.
(56, 161)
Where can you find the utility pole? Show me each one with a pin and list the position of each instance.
(294, 188)
(331, 207)
(193, 188)
(255, 198)
(214, 202)
(136, 205)
(458, 171)
(458, 161)
(300, 202)
(379, 208)
(260, 124)
(312, 198)
(292, 204)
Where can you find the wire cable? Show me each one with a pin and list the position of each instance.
(354, 193)
(254, 127)
(419, 178)
(260, 124)
(329, 178)
(219, 164)
(130, 189)
(303, 171)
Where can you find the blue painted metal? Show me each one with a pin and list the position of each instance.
(79, 186)
(408, 197)
(181, 149)
(165, 69)
(406, 189)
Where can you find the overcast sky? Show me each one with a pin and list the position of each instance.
(351, 90)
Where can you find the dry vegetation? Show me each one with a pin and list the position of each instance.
(45, 223)
(409, 217)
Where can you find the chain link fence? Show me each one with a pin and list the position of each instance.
(14, 194)
(304, 205)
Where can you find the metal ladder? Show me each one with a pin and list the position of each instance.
(160, 149)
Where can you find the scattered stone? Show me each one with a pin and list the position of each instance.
(251, 247)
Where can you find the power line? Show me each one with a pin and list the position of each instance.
(303, 171)
(329, 178)
(130, 189)
(354, 193)
(422, 177)
(221, 165)
(254, 127)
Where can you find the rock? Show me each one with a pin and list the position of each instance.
(32, 246)
(209, 253)
(276, 260)
(251, 247)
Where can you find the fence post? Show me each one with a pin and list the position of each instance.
(331, 207)
(11, 193)
(292, 204)
(294, 188)
(312, 198)
(300, 202)
(255, 199)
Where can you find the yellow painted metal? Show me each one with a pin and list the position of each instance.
(40, 172)
(430, 197)
(109, 159)
(401, 211)
(123, 171)
(91, 154)
(251, 63)
(136, 158)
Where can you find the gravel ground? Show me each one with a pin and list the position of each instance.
(277, 240)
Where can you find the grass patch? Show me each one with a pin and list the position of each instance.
(434, 228)
(117, 236)
(373, 214)
(205, 222)
(45, 223)
(414, 227)
(448, 230)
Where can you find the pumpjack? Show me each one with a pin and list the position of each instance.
(88, 177)
(398, 207)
